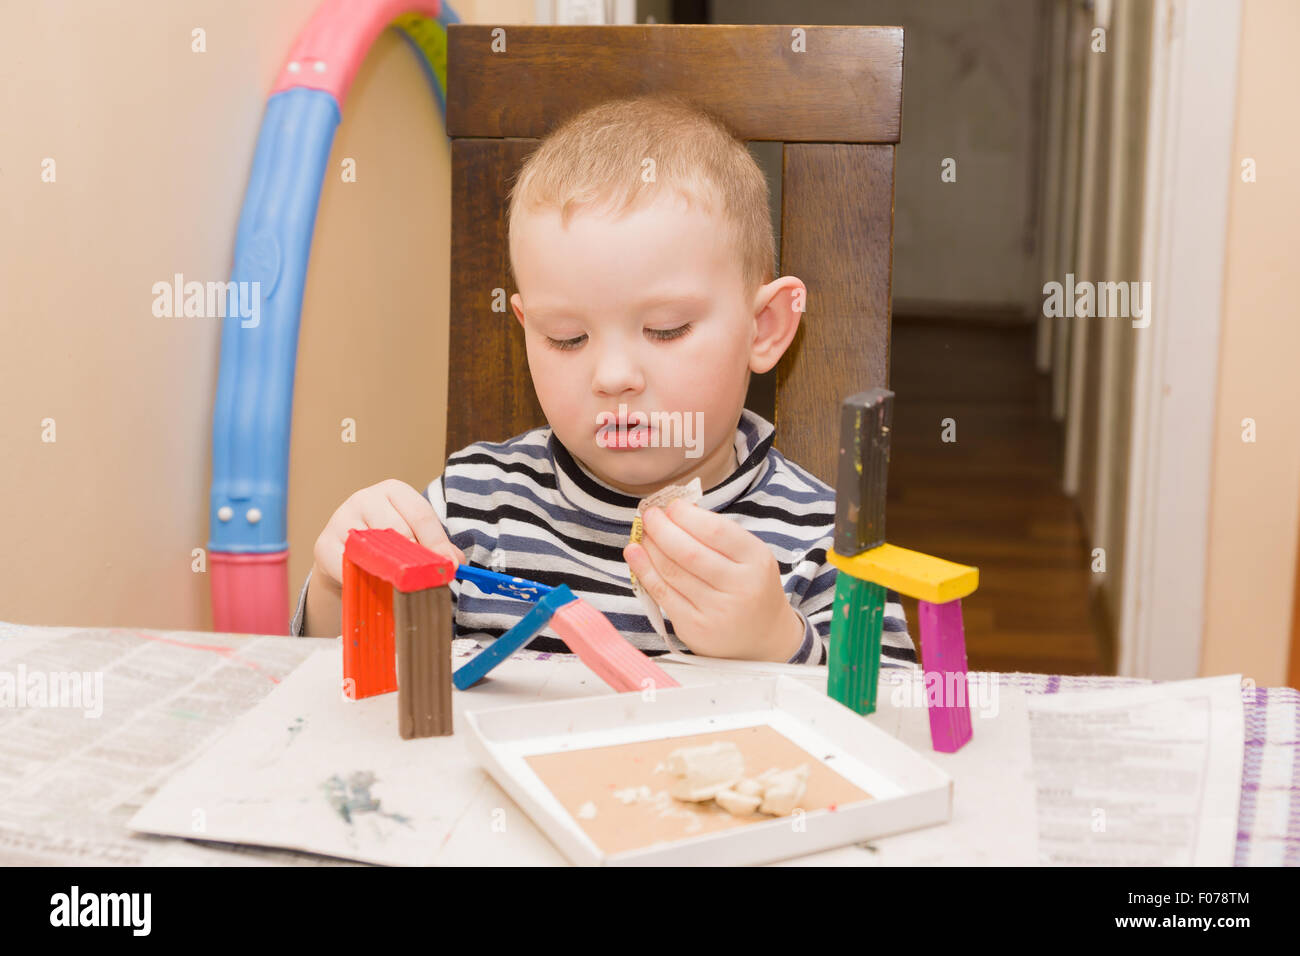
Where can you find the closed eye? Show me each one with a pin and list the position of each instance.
(664, 335)
(659, 335)
(565, 345)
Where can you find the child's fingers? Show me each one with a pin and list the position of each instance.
(420, 517)
(687, 550)
(693, 594)
(721, 534)
(377, 512)
(674, 605)
(329, 557)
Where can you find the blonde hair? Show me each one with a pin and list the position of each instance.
(596, 160)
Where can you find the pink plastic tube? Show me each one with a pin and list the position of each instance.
(330, 48)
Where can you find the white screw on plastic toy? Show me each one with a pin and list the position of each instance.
(294, 66)
(225, 512)
(254, 515)
(319, 66)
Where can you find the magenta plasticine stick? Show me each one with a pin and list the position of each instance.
(943, 657)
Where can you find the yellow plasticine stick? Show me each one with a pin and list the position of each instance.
(911, 573)
(635, 537)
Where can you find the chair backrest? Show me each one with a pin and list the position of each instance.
(831, 95)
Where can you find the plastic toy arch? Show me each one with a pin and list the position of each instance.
(248, 548)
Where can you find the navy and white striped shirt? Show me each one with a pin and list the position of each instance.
(527, 507)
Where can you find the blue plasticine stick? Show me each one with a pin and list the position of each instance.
(506, 585)
(476, 668)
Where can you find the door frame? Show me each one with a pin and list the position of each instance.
(1188, 174)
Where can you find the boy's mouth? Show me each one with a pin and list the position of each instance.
(611, 436)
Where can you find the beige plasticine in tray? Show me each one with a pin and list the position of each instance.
(601, 787)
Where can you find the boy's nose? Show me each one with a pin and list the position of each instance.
(615, 374)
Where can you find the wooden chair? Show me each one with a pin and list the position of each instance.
(835, 107)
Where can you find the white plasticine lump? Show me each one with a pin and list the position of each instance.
(784, 791)
(737, 804)
(682, 790)
(700, 767)
(716, 772)
(632, 795)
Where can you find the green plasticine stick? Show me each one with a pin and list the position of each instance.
(856, 624)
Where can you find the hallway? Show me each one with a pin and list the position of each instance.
(992, 497)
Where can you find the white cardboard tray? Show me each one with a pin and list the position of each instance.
(910, 792)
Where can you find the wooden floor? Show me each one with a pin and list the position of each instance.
(992, 498)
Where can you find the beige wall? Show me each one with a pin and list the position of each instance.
(972, 89)
(153, 145)
(1256, 487)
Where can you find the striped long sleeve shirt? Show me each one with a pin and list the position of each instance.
(527, 507)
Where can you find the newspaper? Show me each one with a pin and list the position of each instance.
(1144, 776)
(93, 720)
(308, 769)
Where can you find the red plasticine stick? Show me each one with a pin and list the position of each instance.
(369, 655)
(590, 635)
(377, 563)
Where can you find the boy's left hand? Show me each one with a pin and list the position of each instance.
(718, 582)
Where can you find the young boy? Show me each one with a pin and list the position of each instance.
(642, 246)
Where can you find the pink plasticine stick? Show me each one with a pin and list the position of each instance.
(590, 635)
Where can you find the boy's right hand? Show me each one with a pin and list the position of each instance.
(389, 504)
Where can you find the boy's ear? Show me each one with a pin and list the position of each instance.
(517, 306)
(778, 307)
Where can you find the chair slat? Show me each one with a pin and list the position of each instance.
(846, 85)
(837, 211)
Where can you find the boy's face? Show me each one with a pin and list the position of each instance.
(648, 312)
